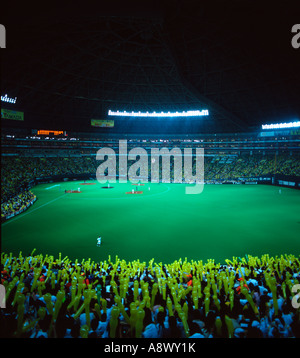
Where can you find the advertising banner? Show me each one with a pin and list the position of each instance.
(102, 123)
(10, 114)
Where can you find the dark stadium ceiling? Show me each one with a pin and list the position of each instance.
(74, 62)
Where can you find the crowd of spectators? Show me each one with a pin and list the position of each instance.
(247, 297)
(17, 204)
(217, 168)
(18, 172)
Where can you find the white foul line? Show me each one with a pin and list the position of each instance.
(31, 211)
(50, 187)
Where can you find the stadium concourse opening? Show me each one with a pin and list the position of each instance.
(109, 118)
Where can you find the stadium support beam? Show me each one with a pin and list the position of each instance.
(232, 118)
(208, 103)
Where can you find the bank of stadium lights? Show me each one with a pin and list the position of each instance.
(8, 99)
(196, 113)
(281, 125)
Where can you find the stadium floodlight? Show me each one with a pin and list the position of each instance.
(281, 125)
(195, 113)
(8, 99)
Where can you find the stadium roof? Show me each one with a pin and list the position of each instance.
(69, 64)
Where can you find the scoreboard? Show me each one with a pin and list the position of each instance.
(48, 132)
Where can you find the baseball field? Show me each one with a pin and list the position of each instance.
(161, 222)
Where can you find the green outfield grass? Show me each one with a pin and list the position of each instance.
(163, 223)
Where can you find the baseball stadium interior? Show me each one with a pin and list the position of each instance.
(145, 259)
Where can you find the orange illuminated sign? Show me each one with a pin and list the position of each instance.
(46, 132)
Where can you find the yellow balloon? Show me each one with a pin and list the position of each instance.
(84, 331)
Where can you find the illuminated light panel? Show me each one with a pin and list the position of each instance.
(281, 125)
(196, 113)
(8, 99)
